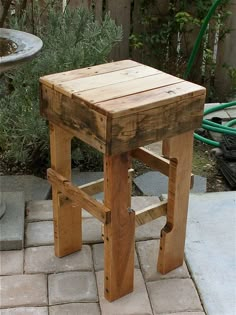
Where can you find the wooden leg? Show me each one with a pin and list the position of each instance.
(179, 150)
(119, 233)
(66, 216)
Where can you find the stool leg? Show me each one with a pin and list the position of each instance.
(119, 233)
(179, 150)
(66, 215)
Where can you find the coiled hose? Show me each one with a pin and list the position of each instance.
(206, 124)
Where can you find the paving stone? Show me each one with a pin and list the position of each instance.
(155, 147)
(221, 114)
(39, 233)
(231, 111)
(211, 249)
(23, 290)
(42, 210)
(135, 303)
(11, 262)
(81, 178)
(185, 313)
(72, 287)
(98, 257)
(156, 184)
(148, 252)
(12, 223)
(140, 202)
(173, 295)
(91, 231)
(25, 311)
(75, 309)
(43, 260)
(39, 210)
(150, 230)
(34, 188)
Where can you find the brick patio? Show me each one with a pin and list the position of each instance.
(34, 281)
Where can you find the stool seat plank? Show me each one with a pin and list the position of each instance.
(138, 85)
(58, 78)
(149, 99)
(75, 86)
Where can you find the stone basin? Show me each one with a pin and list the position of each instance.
(23, 47)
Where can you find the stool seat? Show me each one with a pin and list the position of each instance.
(118, 108)
(123, 105)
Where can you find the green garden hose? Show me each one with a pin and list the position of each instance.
(206, 124)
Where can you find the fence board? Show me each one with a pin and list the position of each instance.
(98, 9)
(120, 12)
(79, 3)
(226, 55)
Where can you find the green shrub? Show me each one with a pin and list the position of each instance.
(72, 39)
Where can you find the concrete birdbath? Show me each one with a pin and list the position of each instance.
(16, 47)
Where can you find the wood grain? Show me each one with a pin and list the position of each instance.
(119, 233)
(76, 86)
(154, 161)
(76, 118)
(136, 85)
(95, 208)
(150, 99)
(62, 77)
(179, 149)
(67, 218)
(150, 213)
(150, 126)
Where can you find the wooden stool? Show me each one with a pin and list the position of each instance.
(117, 108)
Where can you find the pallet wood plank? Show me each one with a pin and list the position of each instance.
(150, 99)
(59, 78)
(179, 149)
(120, 11)
(154, 161)
(97, 186)
(150, 213)
(150, 126)
(74, 87)
(90, 204)
(67, 217)
(119, 233)
(136, 85)
(77, 118)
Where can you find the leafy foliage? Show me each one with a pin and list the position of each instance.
(72, 39)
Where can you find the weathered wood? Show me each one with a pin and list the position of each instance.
(150, 126)
(120, 12)
(150, 213)
(79, 3)
(151, 99)
(97, 209)
(98, 10)
(154, 161)
(96, 187)
(59, 78)
(119, 233)
(179, 149)
(74, 87)
(66, 216)
(76, 118)
(148, 81)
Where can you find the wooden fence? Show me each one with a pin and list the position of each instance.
(128, 14)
